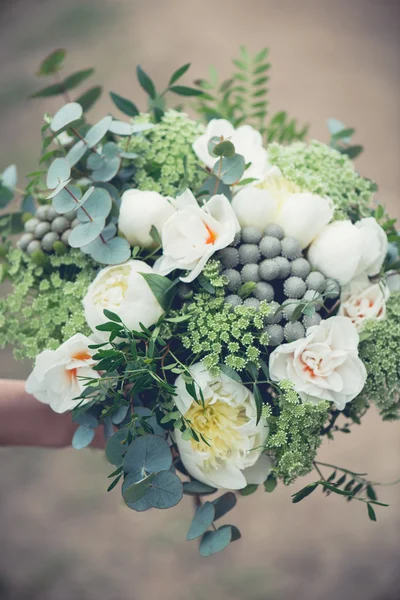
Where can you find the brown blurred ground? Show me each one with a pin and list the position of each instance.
(61, 535)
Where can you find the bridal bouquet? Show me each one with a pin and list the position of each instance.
(216, 293)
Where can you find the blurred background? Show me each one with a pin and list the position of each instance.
(61, 535)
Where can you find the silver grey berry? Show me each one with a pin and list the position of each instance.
(270, 247)
(300, 267)
(289, 307)
(75, 223)
(42, 213)
(60, 224)
(48, 240)
(234, 279)
(65, 236)
(51, 213)
(229, 257)
(237, 239)
(71, 215)
(284, 267)
(275, 334)
(274, 316)
(315, 281)
(248, 253)
(250, 273)
(233, 300)
(31, 224)
(33, 246)
(315, 319)
(251, 235)
(269, 269)
(264, 291)
(291, 248)
(41, 229)
(24, 241)
(294, 287)
(252, 302)
(293, 331)
(275, 231)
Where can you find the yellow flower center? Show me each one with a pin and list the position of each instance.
(218, 423)
(110, 292)
(279, 187)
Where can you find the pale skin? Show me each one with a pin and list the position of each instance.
(26, 422)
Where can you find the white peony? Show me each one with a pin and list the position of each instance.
(324, 365)
(302, 215)
(139, 212)
(228, 422)
(192, 235)
(343, 251)
(57, 376)
(122, 290)
(247, 141)
(361, 300)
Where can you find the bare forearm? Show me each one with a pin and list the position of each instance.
(26, 422)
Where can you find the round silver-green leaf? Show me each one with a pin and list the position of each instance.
(64, 202)
(165, 490)
(67, 114)
(75, 153)
(58, 172)
(85, 232)
(98, 131)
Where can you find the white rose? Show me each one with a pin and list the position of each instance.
(57, 376)
(122, 290)
(375, 246)
(228, 422)
(139, 212)
(247, 141)
(324, 365)
(192, 235)
(302, 215)
(361, 300)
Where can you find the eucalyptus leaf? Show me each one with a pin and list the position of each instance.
(58, 189)
(202, 520)
(148, 454)
(116, 448)
(75, 153)
(58, 172)
(6, 195)
(64, 202)
(224, 504)
(67, 114)
(165, 490)
(215, 541)
(133, 490)
(86, 419)
(120, 414)
(97, 203)
(197, 488)
(230, 170)
(86, 233)
(97, 132)
(9, 177)
(110, 251)
(108, 170)
(82, 437)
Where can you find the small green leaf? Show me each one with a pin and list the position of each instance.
(148, 454)
(134, 490)
(98, 131)
(146, 83)
(258, 400)
(270, 484)
(52, 63)
(161, 288)
(108, 250)
(306, 491)
(165, 490)
(246, 289)
(225, 148)
(230, 170)
(112, 316)
(202, 520)
(352, 151)
(371, 512)
(83, 436)
(178, 74)
(124, 105)
(90, 97)
(224, 504)
(72, 81)
(116, 448)
(371, 493)
(229, 372)
(215, 541)
(197, 488)
(67, 114)
(58, 172)
(249, 489)
(183, 90)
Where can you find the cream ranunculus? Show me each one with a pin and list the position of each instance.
(247, 141)
(302, 215)
(343, 251)
(58, 375)
(192, 235)
(324, 365)
(361, 301)
(139, 212)
(123, 290)
(228, 422)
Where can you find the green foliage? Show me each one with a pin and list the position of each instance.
(341, 139)
(44, 307)
(379, 351)
(166, 162)
(243, 98)
(322, 170)
(295, 428)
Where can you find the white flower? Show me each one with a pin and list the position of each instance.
(302, 215)
(343, 251)
(233, 457)
(324, 365)
(56, 377)
(139, 212)
(375, 246)
(361, 300)
(247, 141)
(122, 290)
(192, 235)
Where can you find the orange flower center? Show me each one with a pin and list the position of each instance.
(212, 236)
